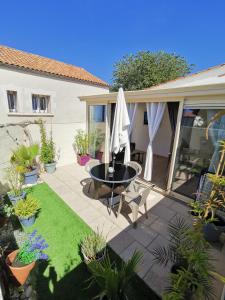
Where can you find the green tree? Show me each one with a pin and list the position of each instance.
(145, 69)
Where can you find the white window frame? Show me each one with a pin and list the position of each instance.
(14, 99)
(39, 98)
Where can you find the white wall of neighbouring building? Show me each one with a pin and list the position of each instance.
(67, 113)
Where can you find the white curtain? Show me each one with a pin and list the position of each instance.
(155, 113)
(131, 108)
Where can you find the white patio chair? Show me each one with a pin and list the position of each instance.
(92, 163)
(135, 200)
(134, 184)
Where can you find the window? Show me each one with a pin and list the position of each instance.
(40, 103)
(99, 113)
(12, 101)
(196, 156)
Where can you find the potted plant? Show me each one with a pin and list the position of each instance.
(113, 279)
(93, 247)
(82, 147)
(26, 210)
(96, 141)
(22, 261)
(15, 181)
(5, 212)
(208, 209)
(189, 254)
(47, 152)
(24, 160)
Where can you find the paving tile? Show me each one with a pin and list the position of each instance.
(146, 261)
(158, 241)
(102, 224)
(157, 278)
(121, 241)
(151, 218)
(180, 207)
(160, 226)
(167, 201)
(143, 234)
(89, 214)
(163, 212)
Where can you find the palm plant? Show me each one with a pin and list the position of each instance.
(113, 280)
(190, 253)
(23, 157)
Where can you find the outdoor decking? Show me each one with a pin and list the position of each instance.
(70, 183)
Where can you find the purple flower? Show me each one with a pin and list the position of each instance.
(38, 238)
(43, 256)
(44, 246)
(32, 235)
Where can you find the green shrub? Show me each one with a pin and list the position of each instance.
(93, 245)
(26, 208)
(24, 157)
(47, 146)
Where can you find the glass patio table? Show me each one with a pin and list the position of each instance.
(121, 177)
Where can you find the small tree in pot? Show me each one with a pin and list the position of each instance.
(26, 210)
(81, 141)
(24, 160)
(22, 261)
(15, 182)
(48, 155)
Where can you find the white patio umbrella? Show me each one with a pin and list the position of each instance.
(120, 130)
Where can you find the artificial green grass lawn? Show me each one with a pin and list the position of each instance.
(65, 276)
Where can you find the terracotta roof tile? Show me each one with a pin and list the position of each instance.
(21, 59)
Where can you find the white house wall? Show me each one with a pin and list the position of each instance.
(68, 112)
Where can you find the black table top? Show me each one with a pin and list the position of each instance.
(122, 173)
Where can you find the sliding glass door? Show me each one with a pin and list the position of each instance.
(97, 130)
(197, 155)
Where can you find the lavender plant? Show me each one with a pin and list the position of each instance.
(31, 250)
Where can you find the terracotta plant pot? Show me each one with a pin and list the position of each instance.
(20, 273)
(83, 159)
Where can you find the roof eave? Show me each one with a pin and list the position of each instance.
(169, 93)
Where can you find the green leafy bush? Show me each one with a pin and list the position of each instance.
(24, 157)
(93, 245)
(26, 208)
(47, 146)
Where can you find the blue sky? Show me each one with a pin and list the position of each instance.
(95, 34)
